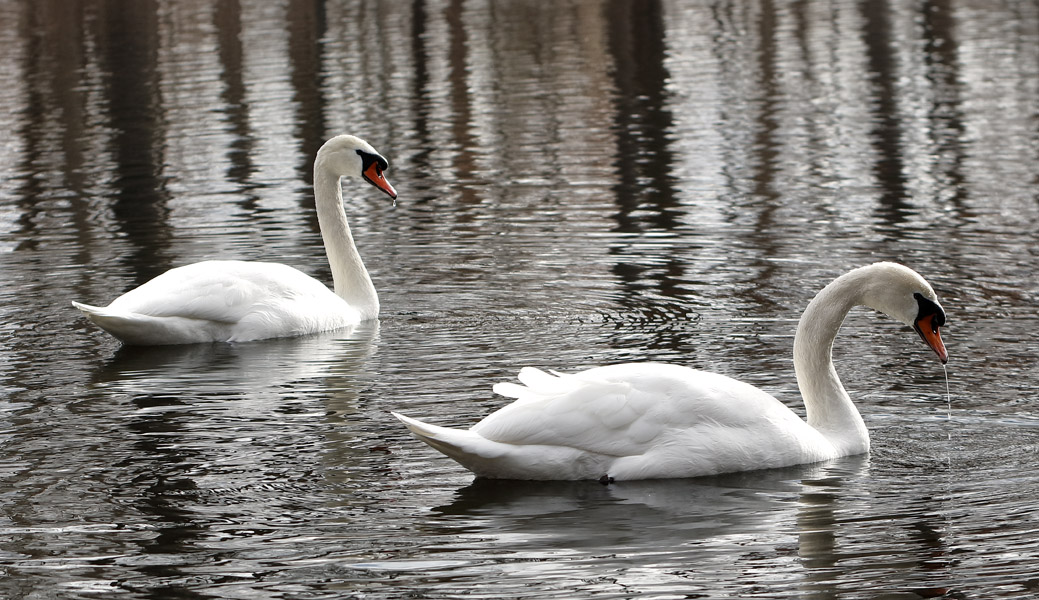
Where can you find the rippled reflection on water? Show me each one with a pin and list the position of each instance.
(581, 183)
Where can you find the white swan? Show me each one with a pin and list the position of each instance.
(238, 301)
(651, 420)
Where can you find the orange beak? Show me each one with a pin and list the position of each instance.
(929, 332)
(373, 174)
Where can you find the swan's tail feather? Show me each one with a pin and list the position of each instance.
(87, 309)
(123, 325)
(499, 460)
(139, 329)
(111, 321)
(467, 448)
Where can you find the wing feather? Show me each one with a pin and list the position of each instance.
(221, 291)
(623, 410)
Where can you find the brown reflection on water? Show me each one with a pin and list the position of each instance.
(128, 40)
(227, 19)
(644, 192)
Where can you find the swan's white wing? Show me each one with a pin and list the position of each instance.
(223, 291)
(625, 410)
(223, 301)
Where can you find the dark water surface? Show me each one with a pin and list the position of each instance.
(581, 183)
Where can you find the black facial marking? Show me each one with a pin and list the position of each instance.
(367, 158)
(928, 307)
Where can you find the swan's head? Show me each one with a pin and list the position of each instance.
(904, 295)
(349, 156)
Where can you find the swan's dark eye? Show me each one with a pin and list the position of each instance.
(927, 308)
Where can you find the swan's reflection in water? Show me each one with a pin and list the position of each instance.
(649, 514)
(212, 440)
(801, 529)
(258, 370)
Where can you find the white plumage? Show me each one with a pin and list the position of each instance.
(651, 420)
(238, 301)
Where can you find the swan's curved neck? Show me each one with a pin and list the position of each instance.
(351, 280)
(827, 404)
